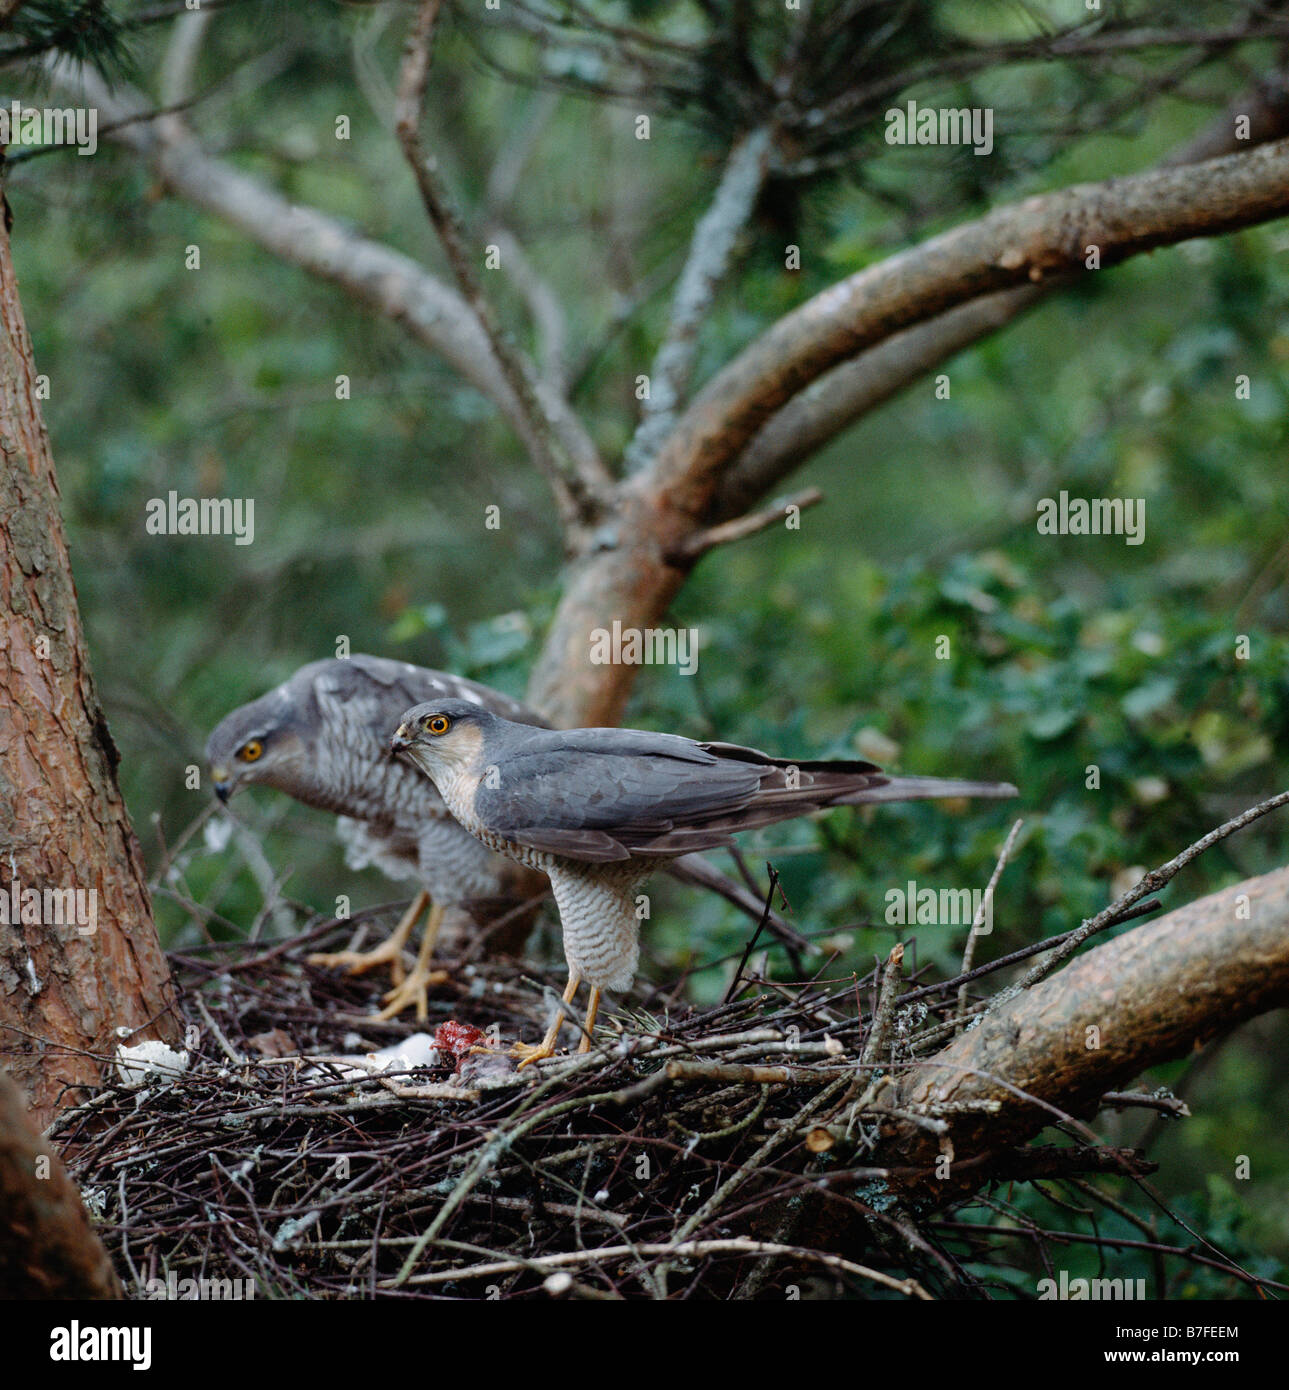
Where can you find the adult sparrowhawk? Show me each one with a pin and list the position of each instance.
(323, 737)
(599, 810)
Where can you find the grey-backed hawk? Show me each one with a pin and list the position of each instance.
(323, 738)
(599, 810)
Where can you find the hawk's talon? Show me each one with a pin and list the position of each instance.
(546, 1048)
(391, 949)
(360, 962)
(412, 991)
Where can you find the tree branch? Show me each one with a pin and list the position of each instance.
(1035, 240)
(695, 546)
(1148, 996)
(549, 318)
(847, 393)
(385, 280)
(1143, 888)
(710, 251)
(576, 490)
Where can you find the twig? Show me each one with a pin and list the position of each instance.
(742, 1074)
(986, 907)
(1150, 883)
(575, 482)
(883, 1016)
(1166, 1105)
(756, 935)
(696, 545)
(1024, 953)
(217, 1032)
(678, 1250)
(710, 252)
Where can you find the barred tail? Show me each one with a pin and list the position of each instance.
(923, 789)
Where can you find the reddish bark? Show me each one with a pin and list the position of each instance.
(64, 991)
(48, 1249)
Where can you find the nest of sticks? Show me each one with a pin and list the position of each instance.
(721, 1153)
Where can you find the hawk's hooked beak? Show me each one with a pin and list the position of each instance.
(399, 741)
(223, 787)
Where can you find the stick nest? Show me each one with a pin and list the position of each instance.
(731, 1152)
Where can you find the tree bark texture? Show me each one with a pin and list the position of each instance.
(64, 989)
(1146, 997)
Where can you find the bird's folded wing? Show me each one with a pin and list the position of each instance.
(605, 795)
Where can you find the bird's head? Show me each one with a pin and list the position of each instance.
(442, 736)
(260, 742)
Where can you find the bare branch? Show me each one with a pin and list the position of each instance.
(695, 546)
(1143, 888)
(387, 281)
(1266, 109)
(576, 490)
(679, 1250)
(1146, 997)
(710, 251)
(544, 305)
(849, 392)
(978, 920)
(879, 1034)
(1035, 240)
(1164, 1104)
(180, 61)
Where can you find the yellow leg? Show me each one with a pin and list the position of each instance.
(592, 1008)
(546, 1048)
(412, 990)
(391, 949)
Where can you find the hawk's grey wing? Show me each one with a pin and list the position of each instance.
(610, 794)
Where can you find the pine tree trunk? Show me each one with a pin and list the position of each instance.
(66, 986)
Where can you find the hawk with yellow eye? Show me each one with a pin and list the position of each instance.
(323, 738)
(600, 810)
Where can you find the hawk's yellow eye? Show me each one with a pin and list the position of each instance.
(251, 751)
(436, 723)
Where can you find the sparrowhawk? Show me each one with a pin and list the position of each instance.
(599, 810)
(323, 736)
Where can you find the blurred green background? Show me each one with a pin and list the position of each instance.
(1066, 652)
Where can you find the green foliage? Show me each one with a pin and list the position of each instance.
(1063, 652)
(88, 31)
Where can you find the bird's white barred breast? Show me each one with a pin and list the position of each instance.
(597, 911)
(596, 902)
